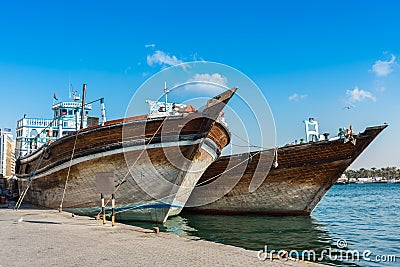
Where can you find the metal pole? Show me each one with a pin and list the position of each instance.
(60, 126)
(166, 95)
(83, 104)
(76, 118)
(103, 111)
(103, 209)
(113, 210)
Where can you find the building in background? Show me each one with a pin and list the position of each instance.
(7, 164)
(7, 156)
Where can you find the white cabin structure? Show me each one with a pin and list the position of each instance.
(32, 133)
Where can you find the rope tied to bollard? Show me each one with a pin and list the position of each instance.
(131, 167)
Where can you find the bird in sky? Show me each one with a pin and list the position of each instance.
(349, 107)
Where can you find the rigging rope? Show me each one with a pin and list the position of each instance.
(69, 170)
(28, 141)
(31, 176)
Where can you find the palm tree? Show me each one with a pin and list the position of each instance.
(374, 173)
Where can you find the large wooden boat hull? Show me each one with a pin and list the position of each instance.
(305, 172)
(140, 152)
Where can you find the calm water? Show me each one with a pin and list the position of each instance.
(366, 216)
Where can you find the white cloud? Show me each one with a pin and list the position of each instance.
(359, 95)
(383, 68)
(149, 45)
(207, 83)
(213, 78)
(163, 59)
(296, 97)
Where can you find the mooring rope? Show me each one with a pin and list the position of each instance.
(189, 189)
(246, 141)
(275, 162)
(228, 170)
(184, 191)
(69, 170)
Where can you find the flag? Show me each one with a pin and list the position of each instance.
(55, 97)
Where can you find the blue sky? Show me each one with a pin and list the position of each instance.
(309, 58)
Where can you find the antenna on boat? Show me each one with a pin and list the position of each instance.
(69, 89)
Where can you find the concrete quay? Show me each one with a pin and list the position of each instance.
(43, 237)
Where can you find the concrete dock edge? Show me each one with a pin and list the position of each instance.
(42, 237)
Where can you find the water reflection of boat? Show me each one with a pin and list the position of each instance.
(249, 232)
(180, 226)
(252, 232)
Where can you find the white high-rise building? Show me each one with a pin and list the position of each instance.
(7, 156)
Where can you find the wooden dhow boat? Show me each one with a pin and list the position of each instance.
(139, 152)
(303, 173)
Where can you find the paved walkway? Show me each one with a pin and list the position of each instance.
(49, 238)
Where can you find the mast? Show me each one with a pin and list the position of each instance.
(166, 91)
(103, 111)
(83, 104)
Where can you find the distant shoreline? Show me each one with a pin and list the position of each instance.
(370, 180)
(369, 176)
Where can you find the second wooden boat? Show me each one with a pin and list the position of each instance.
(302, 176)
